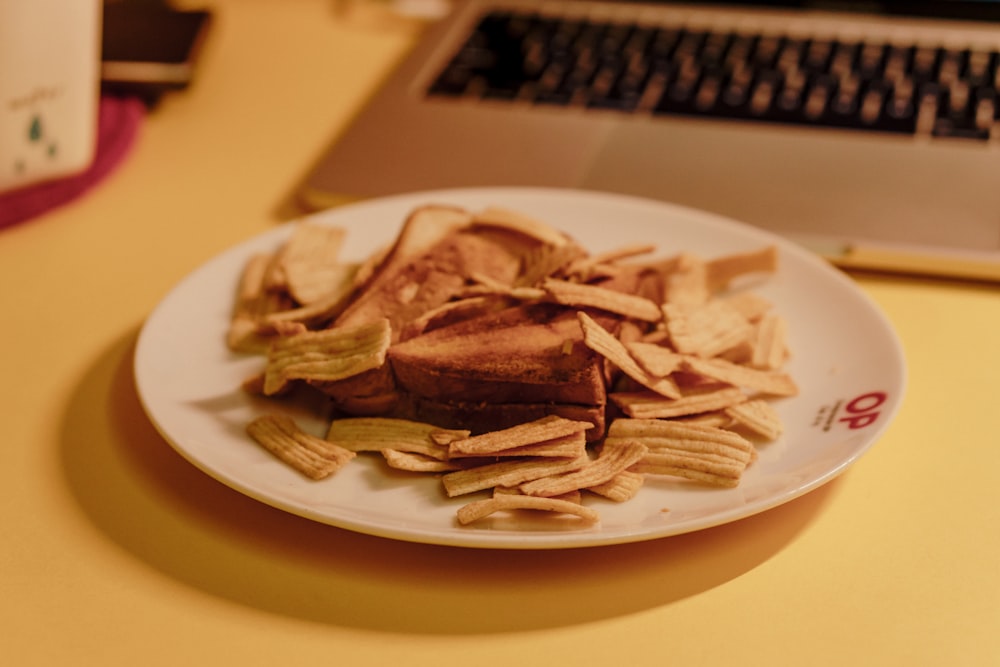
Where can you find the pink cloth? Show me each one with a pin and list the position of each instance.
(119, 120)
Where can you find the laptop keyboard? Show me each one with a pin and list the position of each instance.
(879, 87)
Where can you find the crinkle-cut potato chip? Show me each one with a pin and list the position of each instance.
(620, 488)
(480, 509)
(495, 216)
(486, 286)
(657, 360)
(687, 284)
(253, 303)
(312, 456)
(507, 473)
(757, 415)
(716, 418)
(706, 330)
(581, 295)
(770, 342)
(571, 496)
(322, 286)
(750, 305)
(685, 357)
(662, 434)
(775, 383)
(604, 264)
(321, 310)
(693, 401)
(530, 433)
(722, 271)
(600, 340)
(568, 447)
(616, 255)
(307, 256)
(368, 434)
(327, 355)
(415, 462)
(615, 457)
(701, 453)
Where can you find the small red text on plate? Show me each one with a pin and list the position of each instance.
(863, 410)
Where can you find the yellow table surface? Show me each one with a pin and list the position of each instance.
(116, 551)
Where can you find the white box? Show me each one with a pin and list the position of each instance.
(50, 54)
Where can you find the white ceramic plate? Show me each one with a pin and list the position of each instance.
(847, 361)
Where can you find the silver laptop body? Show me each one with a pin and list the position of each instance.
(885, 200)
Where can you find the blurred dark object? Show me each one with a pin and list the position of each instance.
(149, 48)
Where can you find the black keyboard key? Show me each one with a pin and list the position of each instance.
(791, 56)
(766, 51)
(871, 61)
(817, 99)
(958, 114)
(818, 55)
(925, 64)
(980, 68)
(736, 92)
(899, 113)
(762, 95)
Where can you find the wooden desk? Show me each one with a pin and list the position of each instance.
(118, 552)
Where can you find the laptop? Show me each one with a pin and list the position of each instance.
(866, 132)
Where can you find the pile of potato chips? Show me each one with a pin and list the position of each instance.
(691, 377)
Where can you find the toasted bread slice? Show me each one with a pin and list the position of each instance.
(523, 354)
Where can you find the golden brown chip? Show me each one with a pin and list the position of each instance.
(502, 218)
(722, 271)
(750, 305)
(598, 339)
(568, 446)
(309, 261)
(759, 416)
(604, 264)
(694, 400)
(571, 497)
(623, 486)
(414, 462)
(593, 296)
(368, 434)
(507, 473)
(322, 309)
(615, 457)
(687, 284)
(328, 355)
(770, 342)
(253, 303)
(707, 329)
(717, 418)
(480, 509)
(703, 453)
(313, 457)
(487, 286)
(530, 433)
(774, 383)
(659, 434)
(658, 360)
